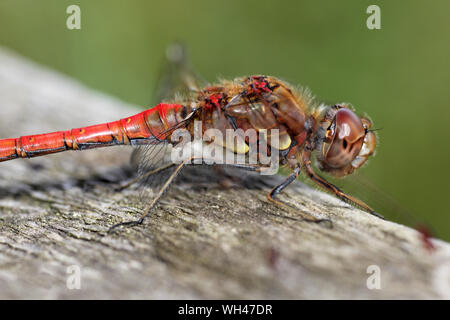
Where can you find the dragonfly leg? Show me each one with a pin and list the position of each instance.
(166, 186)
(170, 165)
(246, 167)
(144, 176)
(153, 202)
(277, 189)
(332, 188)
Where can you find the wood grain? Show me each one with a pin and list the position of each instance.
(202, 241)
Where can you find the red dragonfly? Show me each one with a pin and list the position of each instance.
(342, 140)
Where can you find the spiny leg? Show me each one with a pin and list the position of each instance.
(169, 165)
(167, 184)
(277, 189)
(332, 188)
(254, 168)
(247, 167)
(153, 202)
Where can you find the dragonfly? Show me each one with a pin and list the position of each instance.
(334, 137)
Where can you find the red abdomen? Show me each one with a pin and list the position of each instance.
(152, 124)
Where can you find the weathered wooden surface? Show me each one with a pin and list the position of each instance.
(203, 241)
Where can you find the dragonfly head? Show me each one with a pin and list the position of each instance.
(345, 141)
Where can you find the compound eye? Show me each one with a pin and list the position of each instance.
(347, 140)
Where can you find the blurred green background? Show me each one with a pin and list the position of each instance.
(398, 75)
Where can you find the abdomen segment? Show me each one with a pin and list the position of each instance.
(151, 124)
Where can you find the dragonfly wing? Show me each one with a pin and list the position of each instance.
(363, 188)
(176, 81)
(152, 158)
(177, 75)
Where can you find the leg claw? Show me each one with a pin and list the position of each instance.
(126, 224)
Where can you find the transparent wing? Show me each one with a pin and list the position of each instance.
(147, 158)
(359, 185)
(177, 82)
(177, 76)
